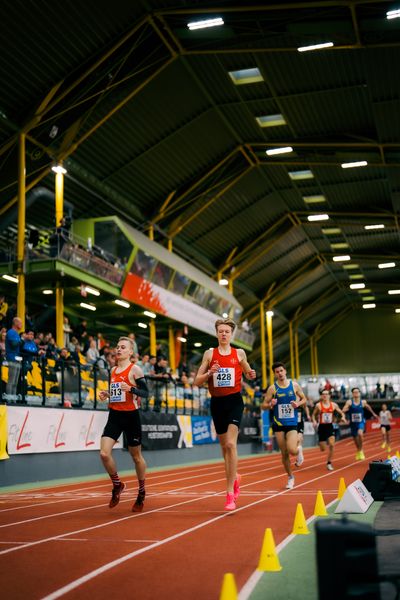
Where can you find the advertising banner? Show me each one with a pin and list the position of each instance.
(374, 425)
(165, 431)
(3, 433)
(249, 429)
(203, 431)
(34, 429)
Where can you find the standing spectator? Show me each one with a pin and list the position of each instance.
(51, 350)
(3, 333)
(81, 331)
(67, 330)
(3, 311)
(92, 354)
(13, 356)
(132, 337)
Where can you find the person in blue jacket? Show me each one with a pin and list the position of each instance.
(285, 396)
(13, 357)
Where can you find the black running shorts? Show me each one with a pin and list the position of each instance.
(124, 421)
(226, 410)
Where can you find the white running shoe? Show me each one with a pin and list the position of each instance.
(300, 457)
(290, 483)
(329, 466)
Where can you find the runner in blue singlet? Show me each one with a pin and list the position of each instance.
(355, 407)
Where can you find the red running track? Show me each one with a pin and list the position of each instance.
(64, 541)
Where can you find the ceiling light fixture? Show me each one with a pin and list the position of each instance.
(244, 76)
(379, 226)
(90, 290)
(197, 344)
(10, 278)
(122, 303)
(352, 266)
(142, 325)
(270, 313)
(315, 47)
(283, 150)
(88, 306)
(223, 281)
(217, 22)
(369, 298)
(356, 163)
(388, 265)
(271, 120)
(323, 217)
(369, 305)
(150, 314)
(47, 292)
(181, 339)
(314, 199)
(331, 231)
(342, 258)
(393, 14)
(393, 292)
(357, 286)
(59, 169)
(299, 175)
(397, 310)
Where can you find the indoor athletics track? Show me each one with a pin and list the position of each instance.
(64, 542)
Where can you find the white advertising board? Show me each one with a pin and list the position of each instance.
(356, 499)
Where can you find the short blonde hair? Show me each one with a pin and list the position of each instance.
(126, 339)
(228, 322)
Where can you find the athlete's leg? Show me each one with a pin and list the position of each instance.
(384, 440)
(281, 441)
(322, 446)
(140, 463)
(291, 442)
(228, 442)
(331, 445)
(106, 446)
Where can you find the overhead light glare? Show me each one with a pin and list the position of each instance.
(356, 163)
(322, 217)
(122, 303)
(181, 339)
(47, 292)
(59, 169)
(298, 175)
(271, 120)
(315, 47)
(88, 306)
(356, 276)
(357, 286)
(150, 314)
(270, 313)
(142, 325)
(10, 278)
(341, 258)
(244, 76)
(225, 315)
(364, 291)
(352, 266)
(283, 150)
(369, 305)
(379, 226)
(90, 290)
(339, 246)
(397, 310)
(393, 292)
(197, 344)
(316, 199)
(388, 265)
(368, 297)
(223, 281)
(217, 22)
(393, 14)
(331, 230)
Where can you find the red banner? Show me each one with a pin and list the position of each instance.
(374, 425)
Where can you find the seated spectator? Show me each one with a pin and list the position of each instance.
(3, 334)
(92, 354)
(29, 350)
(3, 311)
(51, 350)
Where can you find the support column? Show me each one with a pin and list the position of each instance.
(171, 344)
(21, 231)
(151, 232)
(59, 196)
(59, 315)
(296, 351)
(170, 245)
(291, 343)
(312, 365)
(316, 367)
(270, 314)
(263, 348)
(152, 327)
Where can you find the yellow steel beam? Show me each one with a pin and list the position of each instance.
(153, 344)
(263, 348)
(270, 346)
(291, 350)
(59, 314)
(59, 198)
(312, 365)
(21, 231)
(171, 346)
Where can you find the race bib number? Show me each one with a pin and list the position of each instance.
(116, 393)
(224, 378)
(326, 417)
(285, 411)
(356, 418)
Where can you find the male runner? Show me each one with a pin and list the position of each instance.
(322, 416)
(355, 407)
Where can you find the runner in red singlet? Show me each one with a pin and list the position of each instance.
(222, 369)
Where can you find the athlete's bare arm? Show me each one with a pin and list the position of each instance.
(105, 394)
(247, 370)
(339, 411)
(300, 395)
(204, 372)
(269, 398)
(316, 411)
(346, 406)
(371, 410)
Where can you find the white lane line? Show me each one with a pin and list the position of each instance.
(108, 566)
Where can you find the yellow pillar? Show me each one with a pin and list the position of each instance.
(151, 232)
(171, 341)
(270, 346)
(59, 208)
(170, 245)
(296, 352)
(312, 355)
(21, 231)
(59, 315)
(263, 348)
(230, 285)
(292, 366)
(316, 367)
(152, 326)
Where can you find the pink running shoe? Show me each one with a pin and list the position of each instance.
(236, 486)
(230, 502)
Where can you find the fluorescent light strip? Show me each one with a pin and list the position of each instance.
(397, 310)
(369, 305)
(357, 163)
(393, 292)
(271, 120)
(341, 258)
(314, 199)
(369, 298)
(357, 286)
(393, 14)
(339, 246)
(181, 339)
(150, 314)
(388, 265)
(315, 47)
(356, 276)
(47, 292)
(223, 281)
(299, 175)
(205, 23)
(142, 325)
(352, 266)
(380, 226)
(197, 344)
(122, 303)
(245, 76)
(283, 150)
(331, 231)
(10, 278)
(90, 290)
(88, 306)
(364, 291)
(318, 217)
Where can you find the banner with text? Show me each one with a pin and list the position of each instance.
(203, 431)
(164, 431)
